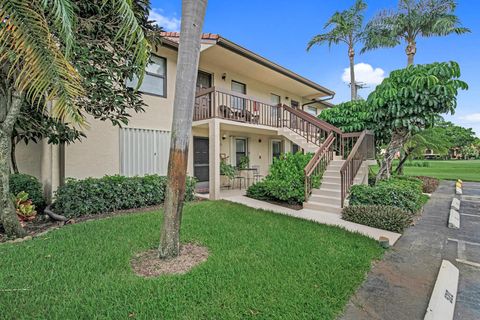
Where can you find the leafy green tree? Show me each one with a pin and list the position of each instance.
(432, 138)
(36, 45)
(355, 116)
(409, 100)
(104, 63)
(346, 27)
(413, 18)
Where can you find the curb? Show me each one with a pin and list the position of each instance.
(444, 295)
(454, 219)
(455, 204)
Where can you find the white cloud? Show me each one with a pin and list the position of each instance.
(470, 118)
(365, 73)
(167, 23)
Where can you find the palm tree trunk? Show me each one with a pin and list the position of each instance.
(8, 216)
(410, 51)
(193, 13)
(396, 143)
(353, 85)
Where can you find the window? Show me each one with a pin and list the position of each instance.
(240, 150)
(237, 102)
(276, 149)
(275, 99)
(312, 110)
(295, 148)
(294, 104)
(155, 79)
(239, 87)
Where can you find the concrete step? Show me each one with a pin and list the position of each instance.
(330, 185)
(328, 208)
(325, 199)
(331, 174)
(331, 179)
(327, 192)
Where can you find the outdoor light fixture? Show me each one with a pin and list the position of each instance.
(224, 76)
(224, 137)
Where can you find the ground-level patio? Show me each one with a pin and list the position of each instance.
(239, 196)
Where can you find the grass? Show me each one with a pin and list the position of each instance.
(261, 265)
(467, 170)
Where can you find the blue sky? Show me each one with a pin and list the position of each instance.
(279, 30)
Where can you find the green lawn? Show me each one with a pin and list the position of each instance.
(467, 170)
(261, 265)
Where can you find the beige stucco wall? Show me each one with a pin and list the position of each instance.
(29, 158)
(99, 153)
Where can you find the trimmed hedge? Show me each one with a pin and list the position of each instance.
(402, 192)
(111, 193)
(23, 182)
(377, 216)
(285, 181)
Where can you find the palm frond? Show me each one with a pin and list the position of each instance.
(63, 15)
(132, 34)
(37, 65)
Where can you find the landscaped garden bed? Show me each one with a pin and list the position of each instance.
(259, 265)
(390, 204)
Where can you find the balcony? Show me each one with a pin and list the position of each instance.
(216, 103)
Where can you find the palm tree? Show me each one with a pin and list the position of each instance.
(193, 13)
(414, 18)
(347, 27)
(36, 39)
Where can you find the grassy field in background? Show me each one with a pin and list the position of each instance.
(261, 265)
(467, 170)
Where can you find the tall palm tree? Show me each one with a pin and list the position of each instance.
(347, 27)
(193, 14)
(36, 39)
(414, 18)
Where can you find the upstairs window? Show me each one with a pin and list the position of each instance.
(155, 79)
(312, 110)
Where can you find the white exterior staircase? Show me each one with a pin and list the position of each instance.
(327, 198)
(298, 139)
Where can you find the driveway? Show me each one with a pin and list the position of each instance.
(399, 286)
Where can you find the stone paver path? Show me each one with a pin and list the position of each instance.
(399, 286)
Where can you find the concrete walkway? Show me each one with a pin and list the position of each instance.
(399, 286)
(238, 196)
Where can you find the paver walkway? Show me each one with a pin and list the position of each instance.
(399, 286)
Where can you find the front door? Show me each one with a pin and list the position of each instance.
(200, 159)
(204, 80)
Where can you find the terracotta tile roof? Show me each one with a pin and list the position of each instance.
(175, 36)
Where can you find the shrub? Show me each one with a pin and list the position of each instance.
(403, 193)
(285, 181)
(429, 184)
(378, 216)
(110, 193)
(259, 191)
(24, 206)
(23, 182)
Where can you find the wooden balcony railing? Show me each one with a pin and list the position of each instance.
(216, 103)
(355, 147)
(318, 164)
(363, 149)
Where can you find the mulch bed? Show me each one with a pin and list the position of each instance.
(148, 264)
(44, 224)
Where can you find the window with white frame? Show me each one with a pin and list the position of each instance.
(155, 79)
(312, 110)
